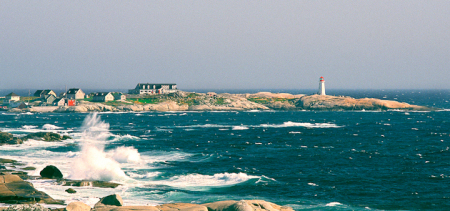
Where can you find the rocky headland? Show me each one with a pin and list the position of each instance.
(187, 101)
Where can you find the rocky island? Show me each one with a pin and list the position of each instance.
(189, 101)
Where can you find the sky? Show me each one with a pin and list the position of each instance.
(361, 44)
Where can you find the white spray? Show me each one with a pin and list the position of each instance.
(93, 162)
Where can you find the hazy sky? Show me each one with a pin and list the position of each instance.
(225, 44)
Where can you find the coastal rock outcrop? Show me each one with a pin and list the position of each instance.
(51, 172)
(8, 138)
(328, 102)
(165, 106)
(14, 190)
(46, 136)
(77, 206)
(87, 183)
(243, 205)
(113, 200)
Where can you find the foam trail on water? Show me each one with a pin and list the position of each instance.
(93, 162)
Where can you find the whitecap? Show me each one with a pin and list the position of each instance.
(240, 128)
(332, 204)
(199, 180)
(301, 124)
(50, 127)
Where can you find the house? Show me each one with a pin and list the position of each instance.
(103, 97)
(44, 93)
(75, 93)
(59, 102)
(119, 96)
(12, 97)
(49, 99)
(148, 88)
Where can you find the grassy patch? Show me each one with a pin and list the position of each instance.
(144, 100)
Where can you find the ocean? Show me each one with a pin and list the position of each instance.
(308, 160)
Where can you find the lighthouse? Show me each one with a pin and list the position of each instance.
(321, 86)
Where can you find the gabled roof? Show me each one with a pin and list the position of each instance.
(100, 94)
(38, 93)
(45, 92)
(157, 86)
(48, 96)
(11, 94)
(73, 91)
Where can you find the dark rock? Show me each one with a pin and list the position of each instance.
(44, 136)
(51, 172)
(114, 200)
(28, 168)
(82, 183)
(8, 138)
(64, 137)
(71, 190)
(2, 160)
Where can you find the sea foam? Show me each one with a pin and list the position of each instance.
(93, 162)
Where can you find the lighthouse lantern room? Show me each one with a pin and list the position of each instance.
(321, 86)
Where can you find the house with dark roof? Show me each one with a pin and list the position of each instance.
(103, 97)
(44, 93)
(75, 93)
(49, 99)
(59, 102)
(147, 88)
(12, 97)
(119, 96)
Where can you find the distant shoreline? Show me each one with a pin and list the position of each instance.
(191, 101)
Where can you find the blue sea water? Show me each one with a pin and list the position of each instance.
(358, 160)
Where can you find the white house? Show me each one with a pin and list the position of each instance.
(12, 97)
(75, 93)
(153, 89)
(103, 97)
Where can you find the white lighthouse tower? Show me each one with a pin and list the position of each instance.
(321, 86)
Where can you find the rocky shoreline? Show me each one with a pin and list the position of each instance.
(185, 101)
(19, 194)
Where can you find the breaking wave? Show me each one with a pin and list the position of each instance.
(216, 180)
(93, 162)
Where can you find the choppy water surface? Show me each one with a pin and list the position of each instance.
(394, 160)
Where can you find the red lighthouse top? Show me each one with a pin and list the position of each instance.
(322, 79)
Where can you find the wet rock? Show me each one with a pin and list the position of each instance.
(46, 136)
(8, 138)
(29, 168)
(71, 190)
(2, 160)
(83, 183)
(51, 172)
(114, 200)
(77, 206)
